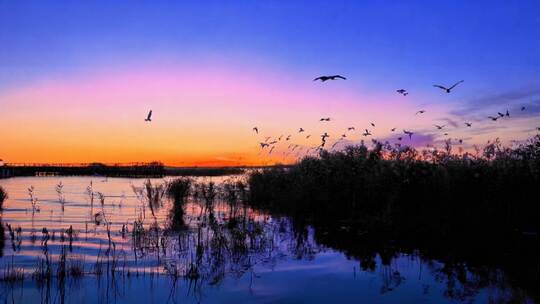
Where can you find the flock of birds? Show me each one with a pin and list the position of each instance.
(270, 143)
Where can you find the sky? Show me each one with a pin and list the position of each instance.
(77, 79)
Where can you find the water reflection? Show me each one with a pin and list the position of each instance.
(126, 240)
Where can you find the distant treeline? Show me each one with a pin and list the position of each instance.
(482, 208)
(153, 169)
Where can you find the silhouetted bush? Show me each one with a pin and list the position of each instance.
(397, 188)
(178, 190)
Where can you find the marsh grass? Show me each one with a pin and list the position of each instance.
(400, 190)
(178, 190)
(481, 208)
(3, 197)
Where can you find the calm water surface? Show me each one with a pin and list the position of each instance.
(221, 254)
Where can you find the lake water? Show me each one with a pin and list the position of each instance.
(221, 254)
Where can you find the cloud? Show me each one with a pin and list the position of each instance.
(512, 99)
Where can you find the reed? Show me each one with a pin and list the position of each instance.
(3, 197)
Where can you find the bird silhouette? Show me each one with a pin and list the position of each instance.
(500, 114)
(301, 130)
(367, 133)
(270, 152)
(350, 129)
(149, 117)
(468, 124)
(273, 142)
(267, 138)
(403, 92)
(439, 127)
(288, 137)
(372, 124)
(325, 78)
(400, 138)
(263, 145)
(447, 90)
(507, 114)
(522, 108)
(308, 136)
(343, 135)
(493, 118)
(408, 133)
(256, 130)
(420, 112)
(393, 129)
(325, 119)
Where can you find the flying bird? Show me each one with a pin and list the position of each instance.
(263, 145)
(400, 138)
(447, 90)
(301, 130)
(343, 135)
(522, 108)
(468, 124)
(393, 129)
(367, 133)
(372, 124)
(408, 133)
(493, 118)
(308, 136)
(256, 130)
(439, 127)
(325, 119)
(403, 92)
(420, 112)
(288, 137)
(149, 117)
(500, 114)
(325, 78)
(350, 129)
(507, 113)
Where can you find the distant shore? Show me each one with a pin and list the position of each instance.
(140, 170)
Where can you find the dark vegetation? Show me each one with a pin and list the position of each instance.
(142, 170)
(468, 210)
(178, 191)
(153, 169)
(3, 197)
